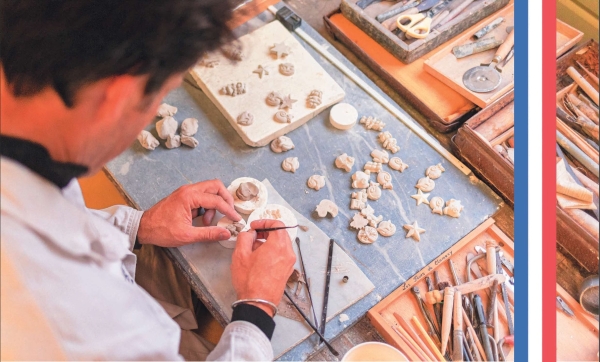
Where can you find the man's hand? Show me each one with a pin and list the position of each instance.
(169, 222)
(261, 270)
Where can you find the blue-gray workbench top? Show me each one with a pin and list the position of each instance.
(145, 177)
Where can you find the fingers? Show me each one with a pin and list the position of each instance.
(279, 238)
(215, 187)
(208, 217)
(210, 201)
(205, 233)
(245, 243)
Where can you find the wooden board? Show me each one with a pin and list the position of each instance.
(566, 37)
(447, 68)
(410, 50)
(308, 76)
(402, 301)
(576, 337)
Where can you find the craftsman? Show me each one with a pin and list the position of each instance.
(80, 79)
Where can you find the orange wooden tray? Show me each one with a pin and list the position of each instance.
(402, 301)
(447, 68)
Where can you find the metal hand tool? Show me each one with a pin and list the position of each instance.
(560, 303)
(465, 299)
(422, 6)
(432, 327)
(487, 348)
(509, 56)
(509, 320)
(331, 349)
(395, 10)
(312, 306)
(492, 305)
(486, 29)
(458, 335)
(454, 13)
(482, 45)
(327, 280)
(419, 25)
(275, 228)
(364, 3)
(485, 77)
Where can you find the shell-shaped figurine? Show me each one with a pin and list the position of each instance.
(290, 164)
(165, 110)
(425, 184)
(274, 99)
(436, 204)
(327, 206)
(360, 180)
(372, 123)
(316, 182)
(245, 118)
(380, 156)
(385, 180)
(372, 167)
(358, 221)
(173, 141)
(283, 117)
(147, 140)
(344, 162)
(189, 141)
(286, 69)
(314, 99)
(367, 235)
(281, 144)
(435, 171)
(397, 164)
(166, 127)
(189, 127)
(386, 228)
(453, 208)
(373, 192)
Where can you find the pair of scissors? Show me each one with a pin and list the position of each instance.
(419, 25)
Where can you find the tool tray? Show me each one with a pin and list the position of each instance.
(443, 107)
(412, 49)
(403, 302)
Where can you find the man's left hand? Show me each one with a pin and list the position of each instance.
(169, 222)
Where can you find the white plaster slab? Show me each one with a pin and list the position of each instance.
(211, 262)
(309, 75)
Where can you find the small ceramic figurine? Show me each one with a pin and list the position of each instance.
(421, 197)
(281, 144)
(344, 162)
(372, 167)
(373, 192)
(386, 228)
(359, 200)
(358, 221)
(436, 204)
(380, 156)
(245, 118)
(397, 164)
(434, 172)
(282, 116)
(314, 99)
(327, 206)
(414, 231)
(316, 182)
(425, 184)
(453, 208)
(372, 123)
(290, 164)
(388, 142)
(367, 235)
(286, 69)
(280, 50)
(360, 180)
(385, 180)
(261, 71)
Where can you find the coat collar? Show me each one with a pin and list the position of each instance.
(39, 204)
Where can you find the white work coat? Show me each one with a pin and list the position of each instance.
(68, 287)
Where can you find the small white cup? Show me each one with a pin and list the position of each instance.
(374, 351)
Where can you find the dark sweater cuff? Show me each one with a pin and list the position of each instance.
(256, 316)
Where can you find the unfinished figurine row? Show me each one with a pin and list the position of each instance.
(166, 129)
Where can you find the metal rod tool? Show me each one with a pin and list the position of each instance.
(312, 306)
(327, 280)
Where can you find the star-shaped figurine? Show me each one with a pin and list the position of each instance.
(260, 71)
(280, 50)
(421, 197)
(414, 231)
(287, 102)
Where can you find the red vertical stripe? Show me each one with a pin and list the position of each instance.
(549, 181)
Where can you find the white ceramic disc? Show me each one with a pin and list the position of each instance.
(246, 207)
(286, 216)
(343, 116)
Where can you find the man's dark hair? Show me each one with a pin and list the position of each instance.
(66, 44)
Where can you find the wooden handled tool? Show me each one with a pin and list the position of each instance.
(427, 339)
(490, 247)
(454, 13)
(487, 348)
(447, 317)
(479, 354)
(583, 84)
(405, 346)
(409, 329)
(487, 77)
(458, 328)
(472, 286)
(410, 344)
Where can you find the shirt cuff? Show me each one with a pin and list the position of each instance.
(256, 316)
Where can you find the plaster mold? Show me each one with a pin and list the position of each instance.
(386, 228)
(367, 235)
(314, 99)
(189, 127)
(360, 180)
(372, 123)
(453, 208)
(388, 142)
(245, 118)
(147, 140)
(316, 182)
(248, 206)
(275, 212)
(344, 162)
(234, 229)
(436, 204)
(434, 172)
(397, 164)
(290, 164)
(325, 207)
(166, 127)
(281, 144)
(173, 141)
(425, 184)
(189, 141)
(380, 156)
(166, 110)
(385, 180)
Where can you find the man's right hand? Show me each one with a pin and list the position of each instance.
(261, 270)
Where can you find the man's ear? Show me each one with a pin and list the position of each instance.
(121, 93)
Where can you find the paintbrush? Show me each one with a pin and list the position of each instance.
(302, 227)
